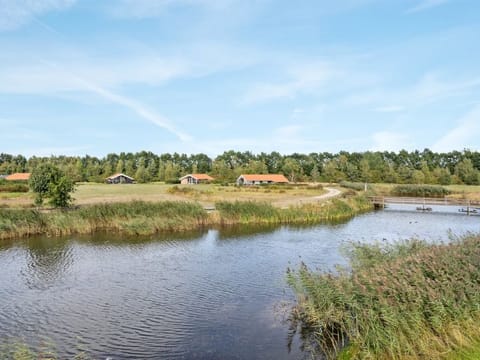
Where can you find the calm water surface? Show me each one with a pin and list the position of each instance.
(211, 295)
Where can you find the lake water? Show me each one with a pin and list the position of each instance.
(210, 295)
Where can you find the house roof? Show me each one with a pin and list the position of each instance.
(278, 178)
(117, 175)
(18, 176)
(198, 177)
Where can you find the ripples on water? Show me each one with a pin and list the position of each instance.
(208, 295)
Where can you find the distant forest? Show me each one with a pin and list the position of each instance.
(416, 167)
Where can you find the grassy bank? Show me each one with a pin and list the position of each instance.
(412, 300)
(136, 217)
(144, 218)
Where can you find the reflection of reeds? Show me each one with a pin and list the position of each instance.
(407, 301)
(144, 218)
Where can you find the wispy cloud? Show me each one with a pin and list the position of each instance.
(426, 4)
(138, 108)
(464, 135)
(32, 76)
(287, 132)
(428, 89)
(389, 109)
(154, 8)
(390, 141)
(15, 13)
(304, 79)
(21, 70)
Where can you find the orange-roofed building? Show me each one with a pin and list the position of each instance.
(259, 179)
(196, 179)
(18, 177)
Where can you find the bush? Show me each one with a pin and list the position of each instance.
(420, 190)
(14, 187)
(358, 186)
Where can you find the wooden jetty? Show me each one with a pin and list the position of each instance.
(466, 206)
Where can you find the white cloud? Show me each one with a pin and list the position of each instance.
(142, 111)
(15, 13)
(303, 79)
(287, 132)
(154, 8)
(136, 107)
(25, 72)
(29, 77)
(464, 135)
(429, 89)
(390, 141)
(426, 4)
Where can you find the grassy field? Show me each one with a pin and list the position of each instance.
(207, 195)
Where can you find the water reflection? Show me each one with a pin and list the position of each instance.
(109, 239)
(48, 260)
(207, 294)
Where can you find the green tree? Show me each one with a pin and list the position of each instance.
(142, 176)
(418, 177)
(256, 167)
(315, 174)
(172, 172)
(467, 173)
(291, 168)
(49, 182)
(120, 168)
(442, 176)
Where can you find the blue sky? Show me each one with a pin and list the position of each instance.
(93, 77)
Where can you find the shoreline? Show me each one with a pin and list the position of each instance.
(143, 218)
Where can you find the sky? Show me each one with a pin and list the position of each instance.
(95, 77)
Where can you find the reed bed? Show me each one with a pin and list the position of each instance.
(420, 190)
(132, 218)
(245, 212)
(146, 218)
(411, 300)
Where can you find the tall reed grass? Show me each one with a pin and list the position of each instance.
(420, 190)
(132, 218)
(411, 300)
(251, 212)
(145, 218)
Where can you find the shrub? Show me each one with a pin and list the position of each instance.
(420, 190)
(14, 187)
(358, 186)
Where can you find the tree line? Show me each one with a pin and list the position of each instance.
(414, 167)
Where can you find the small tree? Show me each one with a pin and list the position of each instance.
(48, 181)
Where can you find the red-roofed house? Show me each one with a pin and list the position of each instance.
(258, 179)
(195, 179)
(18, 177)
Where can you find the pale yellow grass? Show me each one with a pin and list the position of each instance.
(207, 195)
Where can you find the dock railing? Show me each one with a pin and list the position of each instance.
(384, 200)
